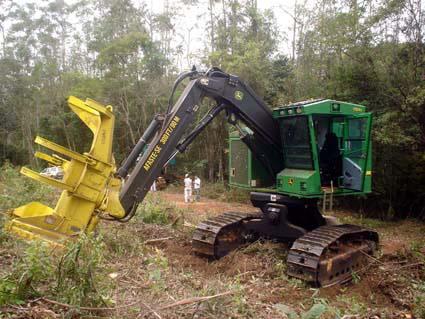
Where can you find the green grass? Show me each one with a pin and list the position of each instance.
(222, 192)
(372, 223)
(81, 273)
(157, 266)
(118, 241)
(419, 300)
(75, 275)
(155, 210)
(28, 272)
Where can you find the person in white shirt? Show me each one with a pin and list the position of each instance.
(153, 186)
(187, 188)
(197, 188)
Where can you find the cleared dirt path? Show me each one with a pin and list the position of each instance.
(384, 287)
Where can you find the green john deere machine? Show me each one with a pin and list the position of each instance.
(289, 158)
(327, 152)
(326, 148)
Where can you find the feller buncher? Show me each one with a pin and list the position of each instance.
(300, 153)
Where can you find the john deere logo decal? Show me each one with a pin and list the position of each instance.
(290, 181)
(238, 95)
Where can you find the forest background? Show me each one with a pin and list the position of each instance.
(123, 53)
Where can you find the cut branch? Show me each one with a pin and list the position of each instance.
(155, 240)
(194, 300)
(64, 305)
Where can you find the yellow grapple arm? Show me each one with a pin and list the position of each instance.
(88, 183)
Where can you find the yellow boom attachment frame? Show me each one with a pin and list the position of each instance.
(89, 186)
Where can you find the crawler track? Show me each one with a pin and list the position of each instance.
(330, 254)
(325, 256)
(217, 236)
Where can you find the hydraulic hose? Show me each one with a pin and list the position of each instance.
(179, 79)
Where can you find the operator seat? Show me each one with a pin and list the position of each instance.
(330, 160)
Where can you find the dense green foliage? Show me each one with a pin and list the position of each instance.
(75, 279)
(124, 54)
(70, 275)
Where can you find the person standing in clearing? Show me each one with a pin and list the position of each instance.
(153, 186)
(197, 188)
(187, 188)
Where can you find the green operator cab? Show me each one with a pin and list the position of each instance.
(326, 145)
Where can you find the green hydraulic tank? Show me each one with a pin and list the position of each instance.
(244, 169)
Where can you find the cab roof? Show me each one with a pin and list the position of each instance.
(319, 106)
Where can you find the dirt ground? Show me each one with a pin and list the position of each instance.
(154, 274)
(257, 272)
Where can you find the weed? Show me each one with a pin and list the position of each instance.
(79, 280)
(320, 307)
(316, 311)
(154, 210)
(280, 268)
(75, 277)
(157, 265)
(350, 306)
(28, 272)
(419, 306)
(254, 248)
(239, 299)
(296, 283)
(355, 276)
(417, 247)
(286, 311)
(5, 237)
(120, 241)
(419, 300)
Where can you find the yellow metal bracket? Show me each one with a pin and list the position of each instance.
(88, 183)
(50, 159)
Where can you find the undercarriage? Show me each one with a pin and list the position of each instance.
(322, 252)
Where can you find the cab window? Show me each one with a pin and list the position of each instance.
(296, 142)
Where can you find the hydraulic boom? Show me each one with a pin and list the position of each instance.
(168, 138)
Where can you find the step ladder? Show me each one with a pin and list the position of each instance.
(328, 198)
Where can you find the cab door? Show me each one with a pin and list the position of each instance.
(356, 147)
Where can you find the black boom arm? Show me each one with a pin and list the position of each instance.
(167, 134)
